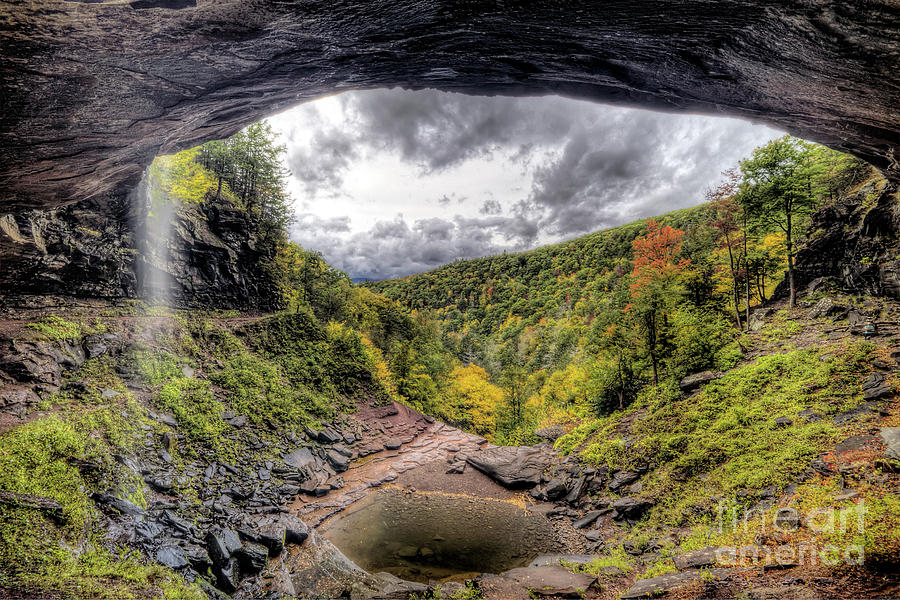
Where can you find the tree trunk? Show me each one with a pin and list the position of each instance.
(792, 302)
(651, 337)
(734, 280)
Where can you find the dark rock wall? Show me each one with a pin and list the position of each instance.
(93, 90)
(84, 250)
(856, 241)
(215, 262)
(92, 250)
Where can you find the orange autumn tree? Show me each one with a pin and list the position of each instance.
(655, 286)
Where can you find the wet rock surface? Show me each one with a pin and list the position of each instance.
(541, 581)
(90, 249)
(511, 466)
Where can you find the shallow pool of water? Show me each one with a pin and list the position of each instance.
(437, 536)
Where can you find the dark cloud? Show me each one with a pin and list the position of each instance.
(394, 248)
(584, 167)
(491, 207)
(438, 130)
(322, 164)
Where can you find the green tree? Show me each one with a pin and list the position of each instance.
(726, 220)
(249, 170)
(781, 186)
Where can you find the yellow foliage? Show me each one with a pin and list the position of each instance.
(560, 398)
(475, 400)
(380, 367)
(181, 178)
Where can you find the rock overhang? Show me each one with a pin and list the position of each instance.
(94, 90)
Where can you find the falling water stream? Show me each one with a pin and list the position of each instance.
(155, 284)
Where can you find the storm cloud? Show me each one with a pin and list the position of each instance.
(468, 176)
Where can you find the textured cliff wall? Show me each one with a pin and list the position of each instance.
(92, 91)
(856, 241)
(91, 250)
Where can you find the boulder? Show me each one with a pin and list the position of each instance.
(122, 506)
(758, 318)
(510, 466)
(18, 399)
(300, 458)
(393, 588)
(593, 536)
(559, 559)
(274, 531)
(587, 519)
(337, 460)
(866, 411)
(252, 557)
(557, 487)
(329, 436)
(392, 444)
(630, 509)
(227, 577)
(787, 519)
(621, 479)
(810, 415)
(658, 586)
(221, 544)
(577, 490)
(824, 308)
(702, 557)
(457, 468)
(695, 381)
(876, 387)
(172, 557)
(891, 438)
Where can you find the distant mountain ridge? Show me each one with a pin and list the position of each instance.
(532, 284)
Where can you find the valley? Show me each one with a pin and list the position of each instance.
(471, 433)
(428, 300)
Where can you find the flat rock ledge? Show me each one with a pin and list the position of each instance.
(529, 582)
(511, 466)
(659, 586)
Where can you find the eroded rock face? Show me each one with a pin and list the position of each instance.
(90, 250)
(93, 90)
(856, 241)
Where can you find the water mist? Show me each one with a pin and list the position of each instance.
(156, 285)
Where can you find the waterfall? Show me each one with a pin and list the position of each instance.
(155, 284)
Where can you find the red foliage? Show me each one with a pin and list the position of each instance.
(655, 255)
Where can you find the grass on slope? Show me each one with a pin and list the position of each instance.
(724, 439)
(65, 458)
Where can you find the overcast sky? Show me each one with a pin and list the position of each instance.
(392, 182)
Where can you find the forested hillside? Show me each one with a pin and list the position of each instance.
(582, 327)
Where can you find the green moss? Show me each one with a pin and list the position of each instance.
(724, 439)
(616, 558)
(36, 458)
(65, 459)
(662, 567)
(155, 366)
(96, 375)
(257, 389)
(196, 409)
(56, 328)
(36, 561)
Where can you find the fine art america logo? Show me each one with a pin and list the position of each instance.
(773, 535)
